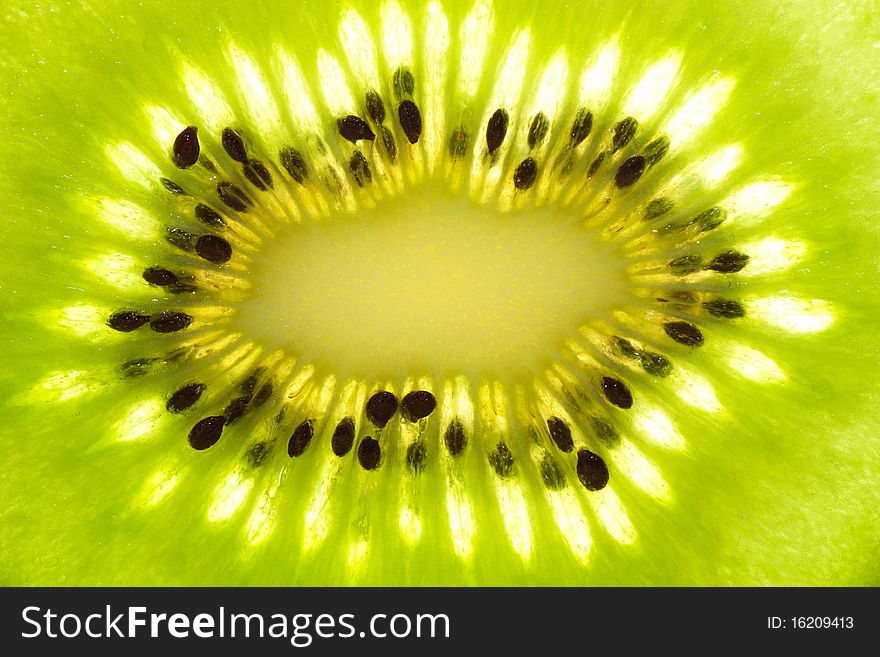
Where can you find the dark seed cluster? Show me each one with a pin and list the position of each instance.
(621, 156)
(165, 321)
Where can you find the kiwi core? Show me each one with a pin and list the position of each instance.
(430, 280)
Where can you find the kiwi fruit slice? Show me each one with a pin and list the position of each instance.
(451, 292)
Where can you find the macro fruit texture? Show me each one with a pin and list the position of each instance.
(667, 376)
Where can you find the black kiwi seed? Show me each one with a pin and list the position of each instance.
(360, 169)
(591, 470)
(538, 130)
(560, 432)
(728, 262)
(684, 333)
(169, 321)
(381, 407)
(404, 84)
(417, 456)
(186, 148)
(686, 264)
(581, 127)
(417, 405)
(354, 128)
(501, 460)
(343, 436)
(657, 207)
(624, 131)
(375, 106)
(369, 452)
(616, 392)
(172, 187)
(209, 217)
(233, 145)
(389, 143)
(233, 196)
(180, 238)
(159, 276)
(656, 364)
(300, 438)
(656, 150)
(294, 163)
(127, 321)
(257, 173)
(595, 164)
(458, 143)
(410, 120)
(206, 432)
(525, 174)
(630, 171)
(185, 397)
(236, 408)
(724, 308)
(213, 248)
(455, 438)
(551, 474)
(496, 129)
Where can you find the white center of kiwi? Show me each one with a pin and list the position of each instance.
(430, 281)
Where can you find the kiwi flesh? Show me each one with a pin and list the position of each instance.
(439, 293)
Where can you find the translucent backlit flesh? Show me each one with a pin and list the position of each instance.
(518, 300)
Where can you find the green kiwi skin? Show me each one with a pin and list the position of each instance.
(780, 491)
